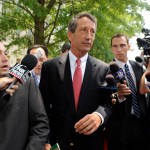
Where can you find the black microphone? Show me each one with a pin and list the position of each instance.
(117, 72)
(110, 80)
(138, 59)
(21, 71)
(109, 84)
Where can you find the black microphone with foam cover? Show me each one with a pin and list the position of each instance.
(110, 80)
(117, 72)
(138, 59)
(21, 71)
(29, 61)
(109, 84)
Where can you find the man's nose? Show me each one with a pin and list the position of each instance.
(89, 35)
(4, 58)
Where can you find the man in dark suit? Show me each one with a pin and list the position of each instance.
(126, 129)
(76, 125)
(23, 120)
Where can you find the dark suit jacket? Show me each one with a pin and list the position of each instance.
(121, 119)
(57, 91)
(23, 121)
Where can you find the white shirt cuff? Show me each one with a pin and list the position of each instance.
(100, 117)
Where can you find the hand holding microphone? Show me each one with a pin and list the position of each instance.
(21, 72)
(122, 88)
(4, 82)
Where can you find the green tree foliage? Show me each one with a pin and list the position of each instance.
(28, 22)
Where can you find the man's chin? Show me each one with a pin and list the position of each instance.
(3, 74)
(86, 50)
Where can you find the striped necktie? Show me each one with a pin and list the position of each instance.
(135, 105)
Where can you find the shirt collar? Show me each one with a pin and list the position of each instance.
(121, 64)
(74, 58)
(34, 74)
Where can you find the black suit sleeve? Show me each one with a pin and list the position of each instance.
(39, 125)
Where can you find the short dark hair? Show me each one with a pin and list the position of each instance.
(65, 47)
(38, 46)
(74, 21)
(120, 35)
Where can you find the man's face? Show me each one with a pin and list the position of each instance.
(4, 64)
(83, 37)
(120, 48)
(38, 67)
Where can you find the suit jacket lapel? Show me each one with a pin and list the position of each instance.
(136, 71)
(87, 83)
(65, 75)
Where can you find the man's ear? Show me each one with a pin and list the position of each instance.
(69, 34)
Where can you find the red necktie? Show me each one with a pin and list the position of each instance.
(77, 82)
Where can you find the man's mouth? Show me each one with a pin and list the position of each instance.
(5, 67)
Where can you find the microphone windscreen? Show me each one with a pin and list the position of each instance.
(29, 61)
(113, 67)
(110, 80)
(138, 59)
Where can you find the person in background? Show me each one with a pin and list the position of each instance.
(126, 128)
(69, 85)
(36, 72)
(23, 121)
(145, 89)
(65, 48)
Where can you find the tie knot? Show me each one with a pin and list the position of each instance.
(126, 66)
(78, 61)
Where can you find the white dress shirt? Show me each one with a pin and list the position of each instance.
(72, 59)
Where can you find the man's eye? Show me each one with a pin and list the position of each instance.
(83, 30)
(122, 45)
(114, 46)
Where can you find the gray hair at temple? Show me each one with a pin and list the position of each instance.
(74, 21)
